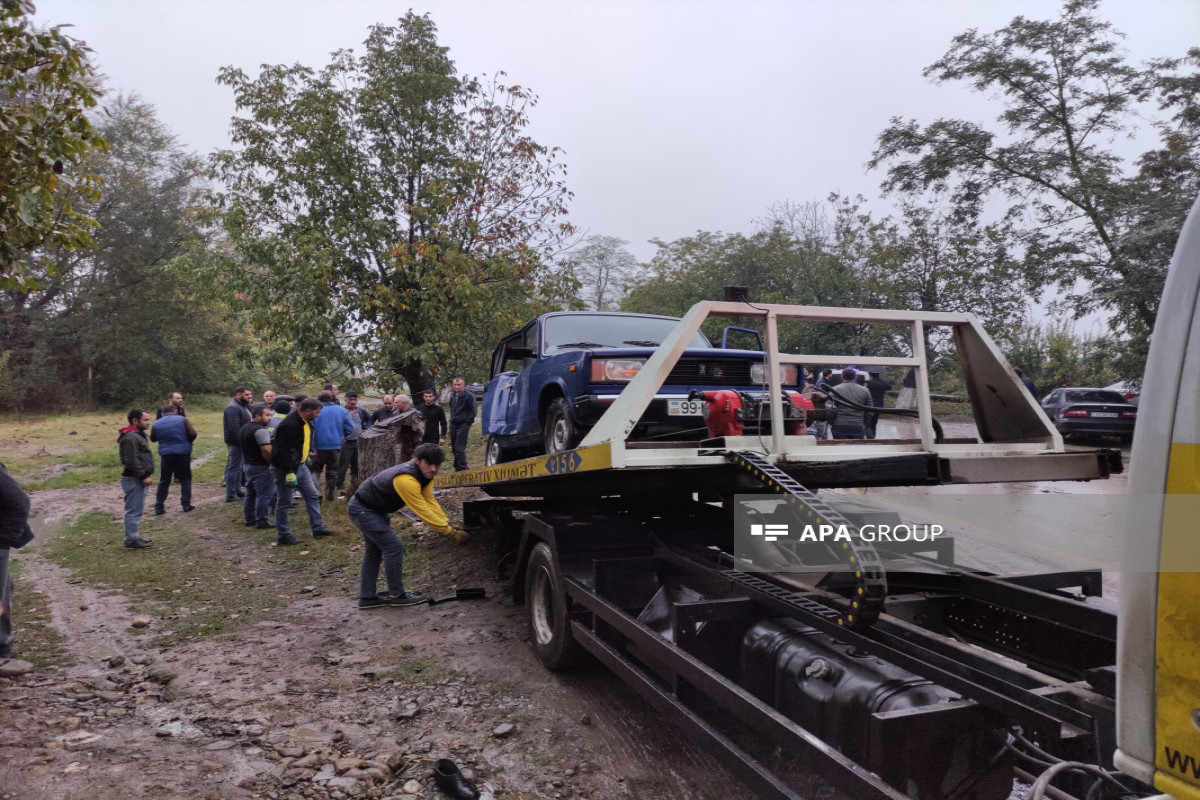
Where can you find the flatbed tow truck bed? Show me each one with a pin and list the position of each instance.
(901, 674)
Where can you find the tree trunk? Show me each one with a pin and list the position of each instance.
(390, 442)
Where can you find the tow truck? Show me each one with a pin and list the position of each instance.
(890, 671)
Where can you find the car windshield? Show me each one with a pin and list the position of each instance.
(602, 331)
(1093, 396)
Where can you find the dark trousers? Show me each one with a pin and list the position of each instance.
(348, 463)
(327, 461)
(7, 637)
(179, 467)
(458, 444)
(848, 431)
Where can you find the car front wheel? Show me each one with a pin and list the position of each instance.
(493, 453)
(560, 432)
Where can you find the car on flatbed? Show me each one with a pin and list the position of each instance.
(553, 379)
(1091, 412)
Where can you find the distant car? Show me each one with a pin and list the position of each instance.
(1127, 391)
(552, 380)
(476, 389)
(1095, 412)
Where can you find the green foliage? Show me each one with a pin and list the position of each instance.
(1084, 223)
(379, 208)
(120, 322)
(1053, 354)
(45, 137)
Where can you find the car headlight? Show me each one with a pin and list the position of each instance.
(615, 370)
(788, 374)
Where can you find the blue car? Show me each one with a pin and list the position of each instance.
(553, 379)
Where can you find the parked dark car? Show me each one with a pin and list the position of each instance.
(553, 379)
(478, 390)
(1095, 412)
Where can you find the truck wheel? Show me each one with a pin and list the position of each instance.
(560, 431)
(546, 602)
(493, 453)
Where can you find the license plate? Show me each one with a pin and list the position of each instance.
(685, 408)
(1105, 414)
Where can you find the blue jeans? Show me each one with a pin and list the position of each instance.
(379, 545)
(135, 504)
(6, 628)
(260, 488)
(233, 471)
(283, 500)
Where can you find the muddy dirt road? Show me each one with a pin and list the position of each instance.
(319, 699)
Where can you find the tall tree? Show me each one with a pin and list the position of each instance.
(380, 207)
(604, 269)
(118, 323)
(45, 134)
(1067, 95)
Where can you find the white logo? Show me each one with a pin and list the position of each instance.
(770, 533)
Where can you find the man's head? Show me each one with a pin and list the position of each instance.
(138, 419)
(351, 400)
(309, 409)
(269, 398)
(175, 399)
(261, 412)
(403, 402)
(848, 374)
(331, 388)
(429, 458)
(430, 395)
(169, 410)
(459, 385)
(827, 373)
(325, 396)
(388, 402)
(283, 406)
(243, 395)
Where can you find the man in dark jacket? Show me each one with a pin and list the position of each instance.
(137, 473)
(174, 434)
(878, 388)
(435, 418)
(850, 420)
(14, 533)
(173, 399)
(386, 411)
(462, 417)
(290, 450)
(237, 414)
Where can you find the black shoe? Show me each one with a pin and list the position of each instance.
(233, 499)
(158, 512)
(139, 544)
(240, 495)
(248, 524)
(289, 539)
(262, 526)
(404, 599)
(321, 533)
(450, 780)
(365, 603)
(8, 651)
(188, 508)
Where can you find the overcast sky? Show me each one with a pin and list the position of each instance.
(674, 116)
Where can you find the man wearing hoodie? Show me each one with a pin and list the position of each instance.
(14, 533)
(137, 471)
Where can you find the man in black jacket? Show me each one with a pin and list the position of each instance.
(14, 533)
(237, 414)
(290, 450)
(137, 470)
(462, 417)
(435, 418)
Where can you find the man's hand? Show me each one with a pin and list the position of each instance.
(149, 479)
(459, 535)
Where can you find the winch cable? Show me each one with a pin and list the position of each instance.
(869, 589)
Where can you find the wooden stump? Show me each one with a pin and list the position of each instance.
(388, 443)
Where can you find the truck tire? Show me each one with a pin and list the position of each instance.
(493, 453)
(546, 604)
(560, 433)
